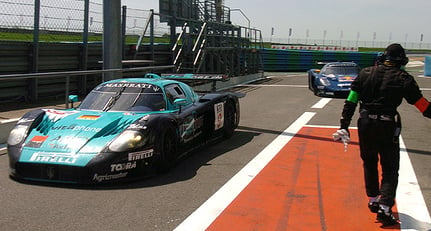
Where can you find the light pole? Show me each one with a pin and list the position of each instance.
(324, 36)
(374, 37)
(290, 33)
(405, 39)
(420, 43)
(272, 33)
(341, 37)
(357, 38)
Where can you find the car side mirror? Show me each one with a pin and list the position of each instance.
(317, 71)
(73, 99)
(180, 103)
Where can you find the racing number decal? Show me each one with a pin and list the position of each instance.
(219, 115)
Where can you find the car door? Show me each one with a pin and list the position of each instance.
(190, 121)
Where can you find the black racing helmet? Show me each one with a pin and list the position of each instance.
(396, 53)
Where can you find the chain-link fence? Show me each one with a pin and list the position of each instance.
(351, 43)
(64, 21)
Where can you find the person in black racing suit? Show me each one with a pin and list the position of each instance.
(380, 90)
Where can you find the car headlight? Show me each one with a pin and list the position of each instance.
(18, 134)
(324, 81)
(128, 140)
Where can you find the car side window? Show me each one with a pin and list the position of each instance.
(173, 92)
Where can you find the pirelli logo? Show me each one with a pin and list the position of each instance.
(141, 155)
(53, 158)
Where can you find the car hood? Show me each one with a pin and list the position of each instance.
(74, 137)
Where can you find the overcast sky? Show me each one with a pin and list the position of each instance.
(395, 20)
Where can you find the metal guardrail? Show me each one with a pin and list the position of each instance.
(68, 74)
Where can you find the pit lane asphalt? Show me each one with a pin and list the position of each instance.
(163, 202)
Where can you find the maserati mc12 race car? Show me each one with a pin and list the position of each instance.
(123, 129)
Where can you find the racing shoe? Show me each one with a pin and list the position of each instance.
(386, 218)
(373, 206)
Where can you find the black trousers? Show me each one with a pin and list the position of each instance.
(376, 139)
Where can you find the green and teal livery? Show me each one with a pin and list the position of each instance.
(124, 129)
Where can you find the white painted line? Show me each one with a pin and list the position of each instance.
(322, 103)
(327, 126)
(272, 85)
(9, 121)
(211, 209)
(413, 212)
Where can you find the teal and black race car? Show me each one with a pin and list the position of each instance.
(334, 79)
(124, 129)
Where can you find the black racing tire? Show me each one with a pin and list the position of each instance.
(311, 85)
(315, 91)
(168, 149)
(229, 120)
(310, 82)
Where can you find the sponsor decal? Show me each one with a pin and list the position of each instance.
(100, 178)
(88, 117)
(36, 141)
(346, 78)
(75, 127)
(53, 158)
(141, 155)
(68, 142)
(55, 115)
(191, 128)
(134, 85)
(219, 115)
(137, 126)
(123, 166)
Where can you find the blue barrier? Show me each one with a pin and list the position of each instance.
(303, 60)
(427, 66)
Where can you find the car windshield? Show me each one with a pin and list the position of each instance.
(125, 97)
(341, 70)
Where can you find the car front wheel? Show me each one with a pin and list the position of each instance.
(168, 148)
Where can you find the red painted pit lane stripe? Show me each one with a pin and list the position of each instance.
(311, 184)
(330, 171)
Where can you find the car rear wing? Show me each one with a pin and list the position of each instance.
(215, 77)
(335, 62)
(192, 79)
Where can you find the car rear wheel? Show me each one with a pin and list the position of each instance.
(229, 120)
(168, 149)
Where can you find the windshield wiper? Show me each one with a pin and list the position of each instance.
(137, 97)
(113, 99)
